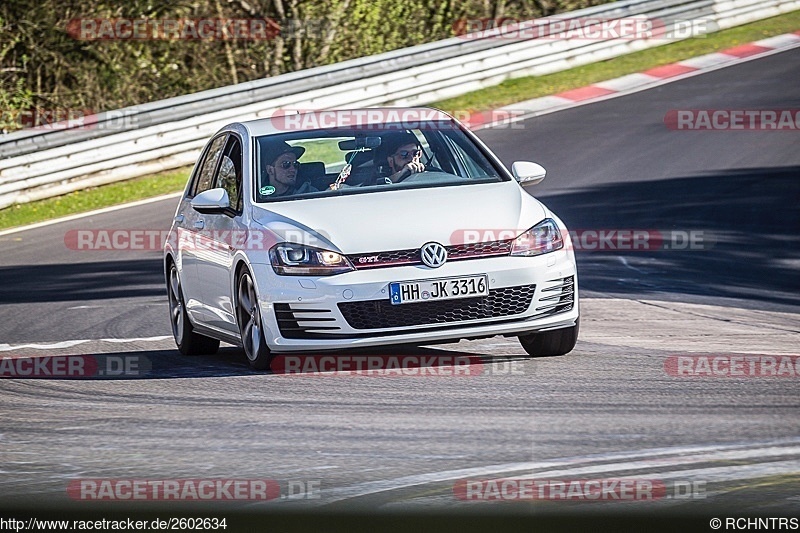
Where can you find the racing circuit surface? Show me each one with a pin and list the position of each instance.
(613, 408)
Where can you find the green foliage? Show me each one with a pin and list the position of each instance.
(43, 65)
(93, 198)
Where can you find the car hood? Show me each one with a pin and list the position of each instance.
(404, 219)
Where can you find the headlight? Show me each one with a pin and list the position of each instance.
(297, 260)
(543, 238)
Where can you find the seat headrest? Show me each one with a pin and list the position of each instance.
(311, 169)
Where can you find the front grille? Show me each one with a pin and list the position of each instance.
(295, 323)
(479, 249)
(455, 252)
(557, 298)
(378, 314)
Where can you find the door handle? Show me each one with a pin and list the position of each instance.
(179, 219)
(199, 224)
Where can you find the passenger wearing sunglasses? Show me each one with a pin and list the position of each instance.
(402, 153)
(281, 170)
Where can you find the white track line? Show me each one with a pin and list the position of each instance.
(70, 344)
(374, 487)
(91, 213)
(735, 455)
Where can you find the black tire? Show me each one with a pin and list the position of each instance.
(551, 343)
(188, 342)
(248, 316)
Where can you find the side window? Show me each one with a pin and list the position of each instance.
(465, 160)
(204, 178)
(229, 176)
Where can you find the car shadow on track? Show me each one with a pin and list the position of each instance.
(97, 280)
(231, 362)
(730, 234)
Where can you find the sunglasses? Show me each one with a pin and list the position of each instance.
(288, 164)
(406, 153)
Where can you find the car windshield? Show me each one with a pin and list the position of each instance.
(329, 162)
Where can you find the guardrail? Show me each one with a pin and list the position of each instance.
(169, 134)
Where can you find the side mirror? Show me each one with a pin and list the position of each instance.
(211, 202)
(528, 173)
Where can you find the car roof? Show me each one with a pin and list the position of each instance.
(280, 122)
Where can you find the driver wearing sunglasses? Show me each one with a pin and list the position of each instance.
(402, 155)
(281, 170)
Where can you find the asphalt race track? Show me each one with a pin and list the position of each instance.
(718, 446)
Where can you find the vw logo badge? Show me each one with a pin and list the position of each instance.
(433, 254)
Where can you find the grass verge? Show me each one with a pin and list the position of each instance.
(508, 92)
(520, 89)
(94, 198)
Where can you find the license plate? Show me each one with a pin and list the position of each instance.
(406, 292)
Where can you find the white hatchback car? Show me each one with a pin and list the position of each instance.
(345, 229)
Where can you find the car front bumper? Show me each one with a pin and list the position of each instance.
(527, 294)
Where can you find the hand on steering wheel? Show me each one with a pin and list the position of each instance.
(412, 167)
